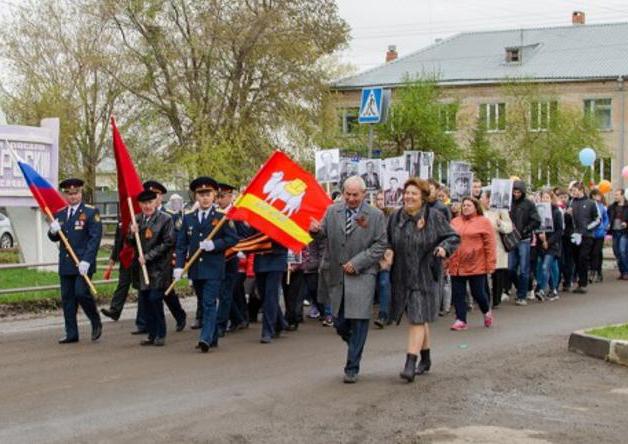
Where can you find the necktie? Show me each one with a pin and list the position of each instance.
(348, 221)
(71, 212)
(203, 216)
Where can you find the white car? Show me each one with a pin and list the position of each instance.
(7, 238)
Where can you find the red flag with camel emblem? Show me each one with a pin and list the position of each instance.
(281, 201)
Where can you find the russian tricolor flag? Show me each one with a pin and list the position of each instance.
(48, 198)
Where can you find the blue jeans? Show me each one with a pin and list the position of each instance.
(353, 332)
(546, 262)
(383, 289)
(519, 267)
(620, 250)
(74, 292)
(153, 303)
(209, 290)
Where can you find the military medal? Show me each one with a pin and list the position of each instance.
(148, 234)
(214, 222)
(420, 223)
(362, 221)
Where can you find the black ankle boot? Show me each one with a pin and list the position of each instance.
(425, 363)
(409, 369)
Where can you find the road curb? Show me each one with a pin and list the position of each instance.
(611, 350)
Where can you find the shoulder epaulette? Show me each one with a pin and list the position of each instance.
(189, 211)
(91, 207)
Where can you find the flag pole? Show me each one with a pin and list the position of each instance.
(140, 251)
(198, 251)
(62, 235)
(70, 250)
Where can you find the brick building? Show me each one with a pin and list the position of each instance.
(584, 66)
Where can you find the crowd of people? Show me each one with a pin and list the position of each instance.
(418, 259)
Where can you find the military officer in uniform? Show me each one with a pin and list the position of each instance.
(156, 231)
(81, 225)
(172, 300)
(208, 271)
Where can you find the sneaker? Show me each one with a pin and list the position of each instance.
(380, 322)
(458, 325)
(314, 313)
(566, 289)
(580, 290)
(488, 319)
(521, 302)
(540, 295)
(531, 296)
(328, 321)
(505, 297)
(306, 302)
(553, 296)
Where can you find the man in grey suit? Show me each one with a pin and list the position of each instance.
(354, 236)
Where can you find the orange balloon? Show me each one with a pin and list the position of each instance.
(604, 186)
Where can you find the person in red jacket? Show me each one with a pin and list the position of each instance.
(474, 259)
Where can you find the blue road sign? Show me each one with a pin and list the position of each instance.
(371, 105)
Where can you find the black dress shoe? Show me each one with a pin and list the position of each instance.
(110, 313)
(68, 340)
(204, 346)
(292, 327)
(139, 332)
(96, 332)
(181, 325)
(148, 341)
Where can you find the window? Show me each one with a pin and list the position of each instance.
(542, 114)
(349, 120)
(448, 117)
(600, 110)
(493, 116)
(513, 55)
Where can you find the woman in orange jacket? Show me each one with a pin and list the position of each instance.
(472, 261)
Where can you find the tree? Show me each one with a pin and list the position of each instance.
(486, 161)
(417, 120)
(225, 76)
(543, 136)
(55, 55)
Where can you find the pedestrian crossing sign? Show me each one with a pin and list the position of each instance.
(371, 105)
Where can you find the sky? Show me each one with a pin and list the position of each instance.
(415, 24)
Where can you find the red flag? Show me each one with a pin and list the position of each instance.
(129, 185)
(281, 201)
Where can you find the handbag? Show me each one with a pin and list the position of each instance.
(510, 240)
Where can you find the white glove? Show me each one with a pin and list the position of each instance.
(241, 255)
(177, 273)
(83, 267)
(55, 226)
(206, 245)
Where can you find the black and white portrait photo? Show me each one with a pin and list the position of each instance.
(394, 164)
(369, 170)
(545, 213)
(348, 168)
(328, 165)
(501, 194)
(460, 185)
(393, 187)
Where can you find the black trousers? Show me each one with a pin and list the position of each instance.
(596, 255)
(122, 290)
(239, 308)
(501, 283)
(583, 260)
(293, 297)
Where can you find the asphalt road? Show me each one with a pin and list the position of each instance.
(512, 383)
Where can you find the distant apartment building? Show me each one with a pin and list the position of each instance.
(583, 66)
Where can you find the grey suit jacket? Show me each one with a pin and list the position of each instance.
(363, 247)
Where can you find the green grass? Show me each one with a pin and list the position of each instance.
(611, 332)
(32, 278)
(9, 256)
